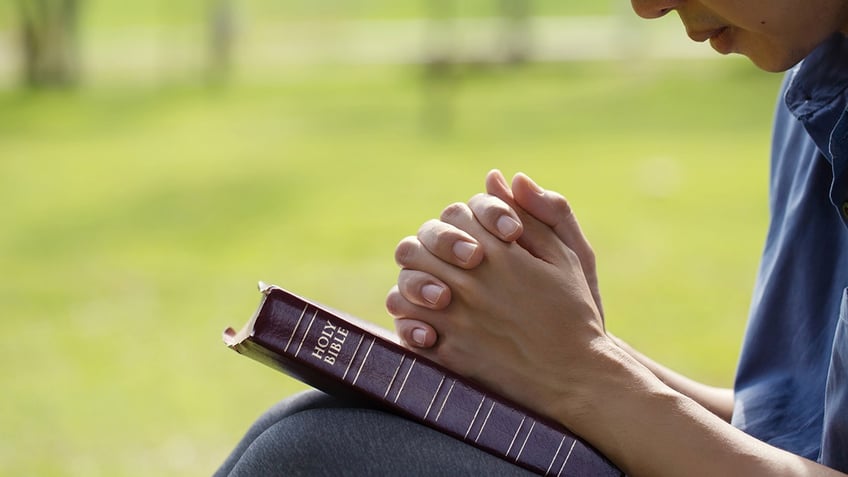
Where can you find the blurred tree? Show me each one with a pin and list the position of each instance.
(515, 35)
(49, 42)
(439, 66)
(513, 44)
(221, 33)
(440, 42)
(443, 55)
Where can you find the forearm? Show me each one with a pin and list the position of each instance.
(719, 401)
(649, 429)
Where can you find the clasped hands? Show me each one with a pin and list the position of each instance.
(504, 290)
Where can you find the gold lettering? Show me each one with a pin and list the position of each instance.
(329, 343)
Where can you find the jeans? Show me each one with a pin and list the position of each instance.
(314, 434)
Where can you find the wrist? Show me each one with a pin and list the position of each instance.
(615, 384)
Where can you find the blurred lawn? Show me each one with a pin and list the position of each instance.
(134, 12)
(135, 224)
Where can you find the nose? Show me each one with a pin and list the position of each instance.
(654, 8)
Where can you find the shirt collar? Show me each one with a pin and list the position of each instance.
(818, 89)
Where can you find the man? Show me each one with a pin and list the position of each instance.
(504, 289)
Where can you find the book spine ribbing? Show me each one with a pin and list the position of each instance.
(312, 344)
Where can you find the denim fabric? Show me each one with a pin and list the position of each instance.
(313, 434)
(790, 384)
(835, 441)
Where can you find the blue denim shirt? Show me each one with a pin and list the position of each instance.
(792, 381)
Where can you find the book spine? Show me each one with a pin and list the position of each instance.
(324, 350)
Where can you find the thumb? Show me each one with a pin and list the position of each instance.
(532, 239)
(497, 186)
(554, 210)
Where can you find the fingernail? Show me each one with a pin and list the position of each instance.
(419, 336)
(463, 250)
(507, 225)
(432, 293)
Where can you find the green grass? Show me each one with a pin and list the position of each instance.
(105, 14)
(135, 224)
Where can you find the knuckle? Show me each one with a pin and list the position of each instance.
(571, 256)
(451, 354)
(462, 284)
(489, 208)
(444, 354)
(478, 200)
(455, 211)
(560, 204)
(404, 329)
(436, 234)
(429, 228)
(406, 249)
(407, 280)
(395, 302)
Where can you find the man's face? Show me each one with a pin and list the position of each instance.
(774, 34)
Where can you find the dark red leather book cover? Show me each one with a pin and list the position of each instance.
(344, 356)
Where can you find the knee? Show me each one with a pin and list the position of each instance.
(303, 443)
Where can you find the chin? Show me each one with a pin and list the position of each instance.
(776, 58)
(773, 66)
(777, 63)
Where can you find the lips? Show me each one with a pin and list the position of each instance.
(704, 35)
(724, 42)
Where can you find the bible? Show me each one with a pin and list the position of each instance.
(342, 355)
